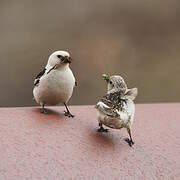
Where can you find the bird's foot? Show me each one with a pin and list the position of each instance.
(68, 114)
(129, 141)
(43, 111)
(101, 129)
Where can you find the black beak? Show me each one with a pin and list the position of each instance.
(67, 59)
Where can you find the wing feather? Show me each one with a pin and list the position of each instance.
(109, 111)
(111, 104)
(38, 77)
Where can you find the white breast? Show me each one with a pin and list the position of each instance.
(55, 87)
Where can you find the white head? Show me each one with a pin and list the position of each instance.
(117, 83)
(59, 58)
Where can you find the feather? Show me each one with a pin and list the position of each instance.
(38, 77)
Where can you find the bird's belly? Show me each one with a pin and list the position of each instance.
(55, 88)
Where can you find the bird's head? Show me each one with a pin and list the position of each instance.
(59, 58)
(115, 83)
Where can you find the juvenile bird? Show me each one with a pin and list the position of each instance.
(116, 109)
(54, 85)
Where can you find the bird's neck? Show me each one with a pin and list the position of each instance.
(61, 67)
(112, 90)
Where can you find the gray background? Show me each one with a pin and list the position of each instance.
(138, 39)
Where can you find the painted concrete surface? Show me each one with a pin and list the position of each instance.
(51, 146)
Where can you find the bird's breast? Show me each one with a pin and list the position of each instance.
(55, 87)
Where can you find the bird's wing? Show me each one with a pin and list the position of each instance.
(42, 73)
(113, 99)
(111, 104)
(105, 109)
(38, 77)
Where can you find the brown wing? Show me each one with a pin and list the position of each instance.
(113, 100)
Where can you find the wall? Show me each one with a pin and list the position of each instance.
(137, 39)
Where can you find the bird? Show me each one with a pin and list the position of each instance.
(55, 83)
(116, 108)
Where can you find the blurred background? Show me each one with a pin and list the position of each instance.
(139, 40)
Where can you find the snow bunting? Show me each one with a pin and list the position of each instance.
(54, 85)
(116, 109)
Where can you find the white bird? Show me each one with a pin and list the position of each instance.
(54, 85)
(116, 109)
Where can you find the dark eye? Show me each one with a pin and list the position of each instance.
(59, 56)
(110, 82)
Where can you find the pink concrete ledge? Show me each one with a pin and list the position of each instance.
(38, 146)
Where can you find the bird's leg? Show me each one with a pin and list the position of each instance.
(67, 112)
(43, 110)
(101, 129)
(129, 141)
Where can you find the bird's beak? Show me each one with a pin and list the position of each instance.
(106, 77)
(67, 60)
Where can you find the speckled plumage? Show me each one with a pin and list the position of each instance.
(113, 100)
(116, 109)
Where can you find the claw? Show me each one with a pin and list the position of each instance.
(101, 129)
(68, 114)
(130, 142)
(43, 111)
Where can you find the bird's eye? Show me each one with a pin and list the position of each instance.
(110, 82)
(59, 56)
